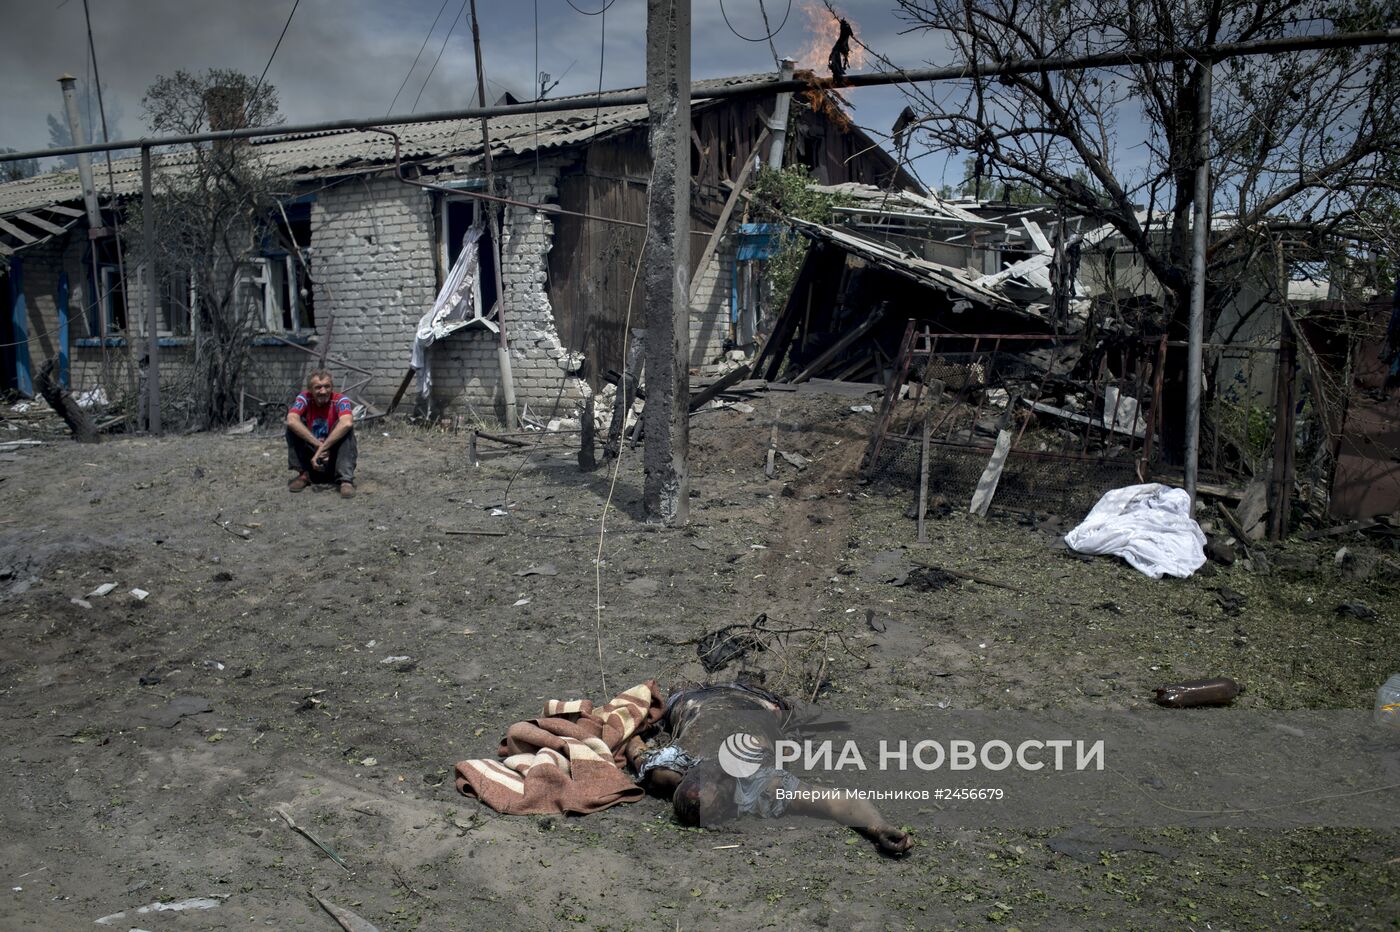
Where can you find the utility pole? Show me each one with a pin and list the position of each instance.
(1200, 236)
(503, 345)
(666, 265)
(90, 207)
(148, 245)
(782, 106)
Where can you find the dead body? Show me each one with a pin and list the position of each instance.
(687, 771)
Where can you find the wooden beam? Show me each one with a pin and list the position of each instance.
(832, 351)
(23, 236)
(42, 224)
(718, 234)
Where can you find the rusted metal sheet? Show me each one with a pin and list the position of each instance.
(1366, 480)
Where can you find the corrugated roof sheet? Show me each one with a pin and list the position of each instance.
(305, 155)
(932, 274)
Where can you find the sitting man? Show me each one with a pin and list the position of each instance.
(321, 436)
(689, 770)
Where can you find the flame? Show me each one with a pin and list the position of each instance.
(822, 29)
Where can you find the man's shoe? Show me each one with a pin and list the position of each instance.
(299, 483)
(347, 490)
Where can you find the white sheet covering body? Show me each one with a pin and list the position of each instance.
(1149, 525)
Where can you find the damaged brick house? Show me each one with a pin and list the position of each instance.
(378, 250)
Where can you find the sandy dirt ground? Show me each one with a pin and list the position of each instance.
(348, 653)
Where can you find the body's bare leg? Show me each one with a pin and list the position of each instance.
(859, 814)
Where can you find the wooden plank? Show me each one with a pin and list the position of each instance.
(987, 485)
(23, 236)
(40, 223)
(832, 351)
(713, 243)
(770, 467)
(63, 210)
(1347, 528)
(923, 479)
(723, 382)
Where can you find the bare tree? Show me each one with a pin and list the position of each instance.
(1299, 142)
(215, 204)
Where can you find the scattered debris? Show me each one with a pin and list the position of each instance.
(169, 715)
(81, 603)
(102, 590)
(795, 459)
(176, 906)
(287, 817)
(973, 577)
(1231, 602)
(348, 920)
(246, 427)
(397, 658)
(544, 569)
(929, 579)
(1357, 609)
(1088, 845)
(1218, 691)
(139, 595)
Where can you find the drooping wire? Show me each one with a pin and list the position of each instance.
(602, 57)
(254, 96)
(606, 7)
(457, 19)
(417, 57)
(766, 38)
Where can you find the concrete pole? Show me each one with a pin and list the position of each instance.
(148, 249)
(503, 344)
(75, 129)
(666, 265)
(1200, 236)
(778, 125)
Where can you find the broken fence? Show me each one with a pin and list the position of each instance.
(1081, 417)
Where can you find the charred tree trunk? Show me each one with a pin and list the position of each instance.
(58, 398)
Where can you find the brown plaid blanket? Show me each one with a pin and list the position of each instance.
(569, 761)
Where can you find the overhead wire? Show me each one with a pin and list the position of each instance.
(606, 7)
(411, 67)
(285, 26)
(764, 38)
(461, 9)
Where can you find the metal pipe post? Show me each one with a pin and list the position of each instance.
(148, 249)
(1200, 235)
(503, 343)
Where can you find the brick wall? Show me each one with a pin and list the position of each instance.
(465, 367)
(709, 312)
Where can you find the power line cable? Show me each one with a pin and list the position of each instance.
(254, 96)
(602, 55)
(445, 39)
(765, 23)
(417, 57)
(777, 62)
(605, 9)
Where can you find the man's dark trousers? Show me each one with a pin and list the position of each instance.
(340, 465)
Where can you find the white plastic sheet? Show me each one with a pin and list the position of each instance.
(1150, 526)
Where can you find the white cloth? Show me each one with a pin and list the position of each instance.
(1149, 525)
(455, 307)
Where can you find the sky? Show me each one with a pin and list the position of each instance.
(348, 58)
